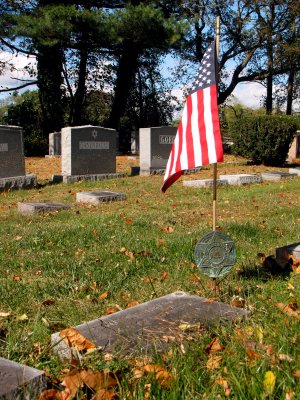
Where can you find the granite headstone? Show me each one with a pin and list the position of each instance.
(11, 151)
(155, 148)
(55, 144)
(88, 150)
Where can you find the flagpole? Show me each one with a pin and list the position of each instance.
(215, 164)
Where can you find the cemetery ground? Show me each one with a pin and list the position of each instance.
(61, 269)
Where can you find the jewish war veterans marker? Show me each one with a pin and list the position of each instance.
(12, 162)
(155, 148)
(88, 151)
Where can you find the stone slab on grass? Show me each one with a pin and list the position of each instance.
(85, 178)
(241, 179)
(18, 182)
(282, 254)
(144, 327)
(294, 171)
(205, 182)
(35, 208)
(99, 196)
(277, 176)
(19, 382)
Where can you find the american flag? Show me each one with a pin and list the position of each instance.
(198, 140)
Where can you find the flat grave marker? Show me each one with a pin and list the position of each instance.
(40, 207)
(294, 171)
(277, 176)
(241, 179)
(99, 196)
(204, 182)
(139, 328)
(19, 382)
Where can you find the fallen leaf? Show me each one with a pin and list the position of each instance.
(132, 304)
(238, 302)
(103, 295)
(48, 302)
(164, 276)
(188, 327)
(284, 357)
(122, 250)
(227, 389)
(288, 309)
(110, 311)
(168, 229)
(289, 394)
(74, 338)
(252, 355)
(213, 362)
(22, 317)
(129, 254)
(128, 221)
(4, 314)
(162, 376)
(50, 394)
(269, 383)
(17, 278)
(214, 346)
(296, 374)
(103, 394)
(144, 253)
(17, 238)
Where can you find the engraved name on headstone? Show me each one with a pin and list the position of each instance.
(88, 150)
(11, 151)
(155, 148)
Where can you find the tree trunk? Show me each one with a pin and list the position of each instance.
(49, 74)
(80, 91)
(290, 91)
(125, 74)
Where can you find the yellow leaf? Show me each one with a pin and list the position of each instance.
(269, 382)
(75, 339)
(22, 318)
(227, 389)
(259, 334)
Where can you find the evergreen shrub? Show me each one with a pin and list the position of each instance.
(264, 139)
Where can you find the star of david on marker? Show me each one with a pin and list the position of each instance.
(94, 134)
(215, 254)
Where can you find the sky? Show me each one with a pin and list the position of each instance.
(248, 94)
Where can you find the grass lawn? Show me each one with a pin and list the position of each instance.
(59, 270)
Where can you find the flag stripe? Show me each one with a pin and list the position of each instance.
(198, 140)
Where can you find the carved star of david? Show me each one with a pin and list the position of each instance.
(94, 134)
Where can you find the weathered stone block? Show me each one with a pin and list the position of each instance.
(241, 179)
(142, 327)
(19, 382)
(205, 182)
(11, 151)
(99, 196)
(39, 207)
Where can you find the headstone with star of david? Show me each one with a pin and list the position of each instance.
(88, 150)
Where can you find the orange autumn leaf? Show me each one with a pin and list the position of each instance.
(110, 311)
(214, 346)
(252, 355)
(50, 394)
(103, 295)
(132, 304)
(74, 338)
(213, 361)
(222, 382)
(164, 276)
(103, 394)
(98, 379)
(128, 221)
(296, 374)
(168, 229)
(288, 309)
(129, 254)
(163, 377)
